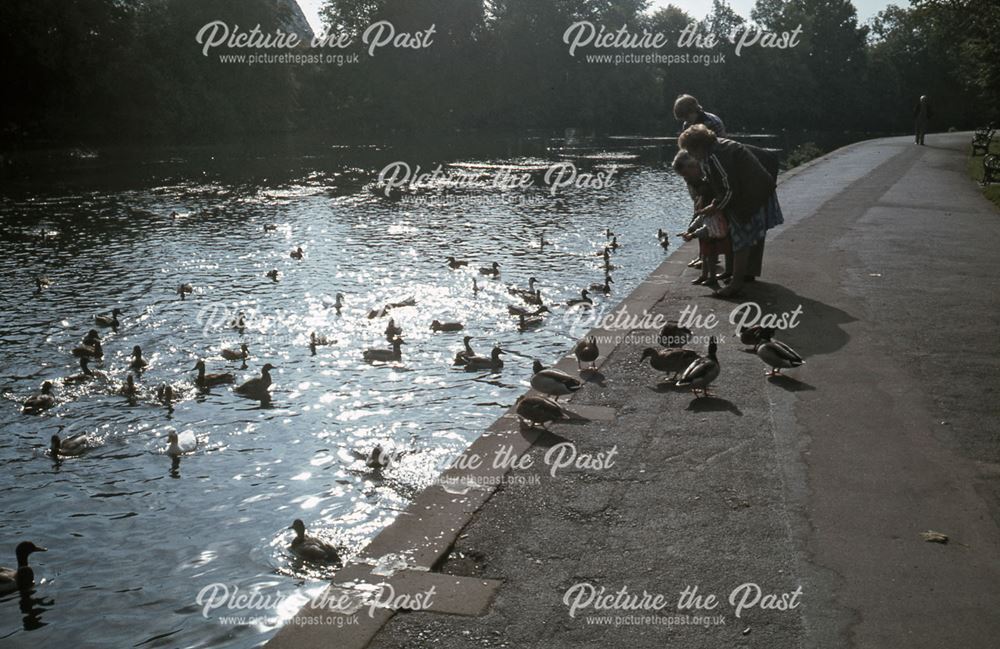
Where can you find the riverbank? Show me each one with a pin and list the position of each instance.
(820, 483)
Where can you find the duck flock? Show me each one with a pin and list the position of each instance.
(686, 368)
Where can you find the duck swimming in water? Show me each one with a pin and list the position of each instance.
(138, 363)
(37, 403)
(553, 382)
(518, 311)
(85, 372)
(272, 274)
(177, 445)
(69, 447)
(385, 355)
(23, 577)
(583, 300)
(41, 283)
(455, 264)
(241, 354)
(447, 326)
(479, 363)
(524, 292)
(392, 331)
(184, 289)
(239, 322)
(257, 388)
(108, 319)
(165, 395)
(492, 271)
(311, 548)
(93, 351)
(605, 287)
(206, 380)
(129, 391)
(297, 253)
(463, 356)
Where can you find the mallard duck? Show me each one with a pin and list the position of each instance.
(606, 253)
(534, 299)
(181, 444)
(310, 548)
(492, 271)
(447, 326)
(378, 459)
(538, 410)
(165, 395)
(392, 331)
(553, 382)
(42, 401)
(614, 245)
(529, 322)
(93, 351)
(108, 319)
(69, 447)
(185, 289)
(42, 283)
(297, 253)
(518, 311)
(605, 287)
(85, 372)
(379, 313)
(272, 274)
(207, 380)
(257, 388)
(385, 355)
(700, 374)
(270, 227)
(467, 353)
(524, 292)
(663, 238)
(586, 351)
(583, 300)
(138, 363)
(334, 303)
(456, 263)
(672, 361)
(92, 336)
(755, 335)
(129, 391)
(673, 335)
(778, 355)
(479, 363)
(318, 341)
(241, 354)
(23, 577)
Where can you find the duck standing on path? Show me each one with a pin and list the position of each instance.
(257, 388)
(23, 577)
(480, 363)
(778, 355)
(674, 335)
(553, 382)
(700, 374)
(586, 351)
(671, 361)
(755, 335)
(138, 363)
(108, 319)
(207, 380)
(492, 271)
(538, 411)
(385, 355)
(311, 548)
(37, 403)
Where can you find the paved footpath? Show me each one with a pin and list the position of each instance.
(823, 480)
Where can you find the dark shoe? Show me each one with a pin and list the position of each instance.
(724, 277)
(728, 292)
(694, 263)
(699, 280)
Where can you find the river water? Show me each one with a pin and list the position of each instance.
(133, 538)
